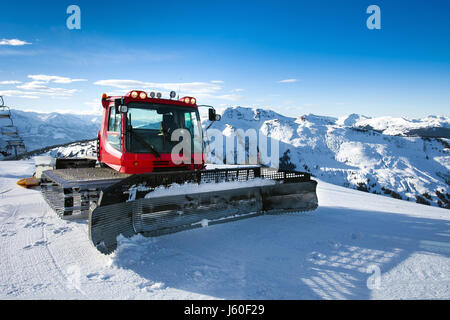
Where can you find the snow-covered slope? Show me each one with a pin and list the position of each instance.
(80, 149)
(40, 130)
(355, 246)
(347, 152)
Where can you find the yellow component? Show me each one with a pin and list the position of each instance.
(29, 182)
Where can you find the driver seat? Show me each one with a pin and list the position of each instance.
(168, 125)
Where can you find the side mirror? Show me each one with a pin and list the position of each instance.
(119, 106)
(2, 103)
(213, 116)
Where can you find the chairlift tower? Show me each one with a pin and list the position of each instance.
(15, 145)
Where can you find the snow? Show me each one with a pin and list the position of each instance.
(177, 189)
(335, 252)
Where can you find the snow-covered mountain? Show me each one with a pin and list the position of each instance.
(431, 126)
(398, 157)
(380, 155)
(40, 130)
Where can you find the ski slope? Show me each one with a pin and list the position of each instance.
(355, 246)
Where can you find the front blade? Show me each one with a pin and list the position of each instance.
(168, 214)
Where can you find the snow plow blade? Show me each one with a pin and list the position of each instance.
(135, 205)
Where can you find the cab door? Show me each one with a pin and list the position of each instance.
(113, 146)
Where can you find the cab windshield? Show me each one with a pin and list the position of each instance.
(150, 127)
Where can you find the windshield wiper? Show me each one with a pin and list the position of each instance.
(141, 140)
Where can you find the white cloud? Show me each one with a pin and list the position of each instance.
(237, 90)
(33, 85)
(29, 97)
(10, 82)
(13, 42)
(49, 92)
(55, 79)
(288, 81)
(217, 81)
(201, 90)
(40, 87)
(187, 87)
(10, 93)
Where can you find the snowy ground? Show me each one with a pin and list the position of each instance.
(336, 252)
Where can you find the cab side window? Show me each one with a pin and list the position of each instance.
(114, 122)
(114, 128)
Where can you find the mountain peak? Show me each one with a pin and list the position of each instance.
(252, 114)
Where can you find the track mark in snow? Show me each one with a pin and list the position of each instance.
(6, 223)
(150, 287)
(99, 276)
(61, 230)
(37, 244)
(5, 191)
(8, 233)
(35, 223)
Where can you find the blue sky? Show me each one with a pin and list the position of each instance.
(295, 57)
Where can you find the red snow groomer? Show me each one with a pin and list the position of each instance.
(143, 183)
(136, 132)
